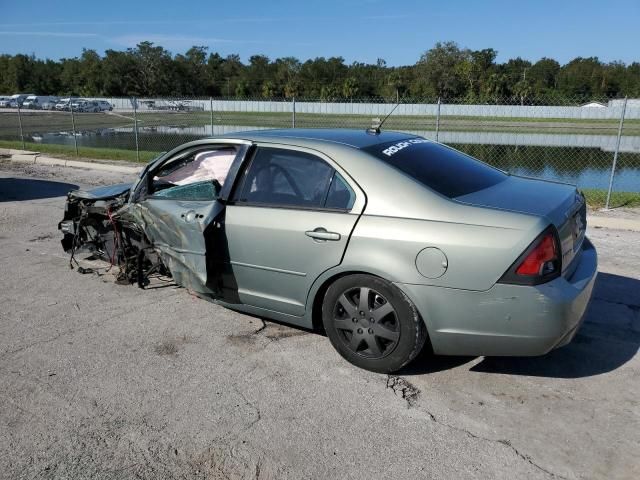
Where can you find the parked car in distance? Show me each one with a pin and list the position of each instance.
(95, 106)
(14, 101)
(21, 97)
(9, 102)
(104, 106)
(50, 104)
(31, 102)
(80, 105)
(386, 239)
(91, 106)
(35, 102)
(63, 104)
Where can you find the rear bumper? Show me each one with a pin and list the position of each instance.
(507, 320)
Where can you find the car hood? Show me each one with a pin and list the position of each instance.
(552, 200)
(103, 193)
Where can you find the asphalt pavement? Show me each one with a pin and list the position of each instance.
(99, 380)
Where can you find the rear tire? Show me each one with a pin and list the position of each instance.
(372, 323)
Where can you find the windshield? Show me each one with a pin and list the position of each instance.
(445, 170)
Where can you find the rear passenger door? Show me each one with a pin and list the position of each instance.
(288, 220)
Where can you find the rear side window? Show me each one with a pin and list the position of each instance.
(443, 169)
(340, 195)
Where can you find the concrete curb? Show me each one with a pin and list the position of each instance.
(23, 156)
(613, 223)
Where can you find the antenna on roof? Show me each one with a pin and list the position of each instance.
(377, 124)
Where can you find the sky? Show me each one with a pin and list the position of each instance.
(358, 30)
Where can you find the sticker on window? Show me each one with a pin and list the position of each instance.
(404, 144)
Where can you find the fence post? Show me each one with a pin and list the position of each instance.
(135, 126)
(293, 111)
(615, 155)
(438, 119)
(20, 124)
(211, 111)
(73, 124)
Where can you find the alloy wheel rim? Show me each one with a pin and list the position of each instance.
(366, 322)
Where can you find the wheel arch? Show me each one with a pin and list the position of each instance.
(320, 286)
(319, 289)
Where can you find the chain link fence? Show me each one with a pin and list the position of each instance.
(595, 145)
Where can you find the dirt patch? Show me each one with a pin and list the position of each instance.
(171, 346)
(40, 238)
(271, 331)
(243, 340)
(239, 460)
(275, 331)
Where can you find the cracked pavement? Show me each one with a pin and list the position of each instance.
(100, 380)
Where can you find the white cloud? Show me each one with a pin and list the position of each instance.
(49, 34)
(145, 22)
(182, 42)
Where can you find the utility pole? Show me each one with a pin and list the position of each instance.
(73, 125)
(615, 155)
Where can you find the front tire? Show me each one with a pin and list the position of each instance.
(372, 323)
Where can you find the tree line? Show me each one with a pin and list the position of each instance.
(446, 71)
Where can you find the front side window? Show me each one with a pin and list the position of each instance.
(282, 177)
(198, 175)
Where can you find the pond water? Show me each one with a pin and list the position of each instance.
(584, 160)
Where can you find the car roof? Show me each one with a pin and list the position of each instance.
(356, 138)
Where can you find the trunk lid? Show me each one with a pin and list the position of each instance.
(560, 203)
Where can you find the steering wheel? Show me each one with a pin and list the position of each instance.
(286, 175)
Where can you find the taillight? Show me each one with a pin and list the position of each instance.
(539, 263)
(542, 259)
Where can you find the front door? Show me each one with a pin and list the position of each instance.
(176, 229)
(180, 202)
(288, 221)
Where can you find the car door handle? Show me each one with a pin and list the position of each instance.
(190, 216)
(322, 234)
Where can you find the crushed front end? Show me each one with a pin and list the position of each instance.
(97, 221)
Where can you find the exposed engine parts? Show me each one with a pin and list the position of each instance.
(101, 227)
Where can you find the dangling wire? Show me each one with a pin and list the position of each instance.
(116, 239)
(74, 244)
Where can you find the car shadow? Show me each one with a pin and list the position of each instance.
(20, 189)
(609, 338)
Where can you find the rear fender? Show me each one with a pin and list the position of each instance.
(472, 256)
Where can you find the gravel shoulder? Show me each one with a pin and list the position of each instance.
(99, 380)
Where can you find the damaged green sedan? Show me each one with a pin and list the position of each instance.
(386, 240)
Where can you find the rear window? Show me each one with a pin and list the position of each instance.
(443, 169)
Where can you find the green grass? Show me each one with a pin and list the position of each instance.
(597, 198)
(68, 151)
